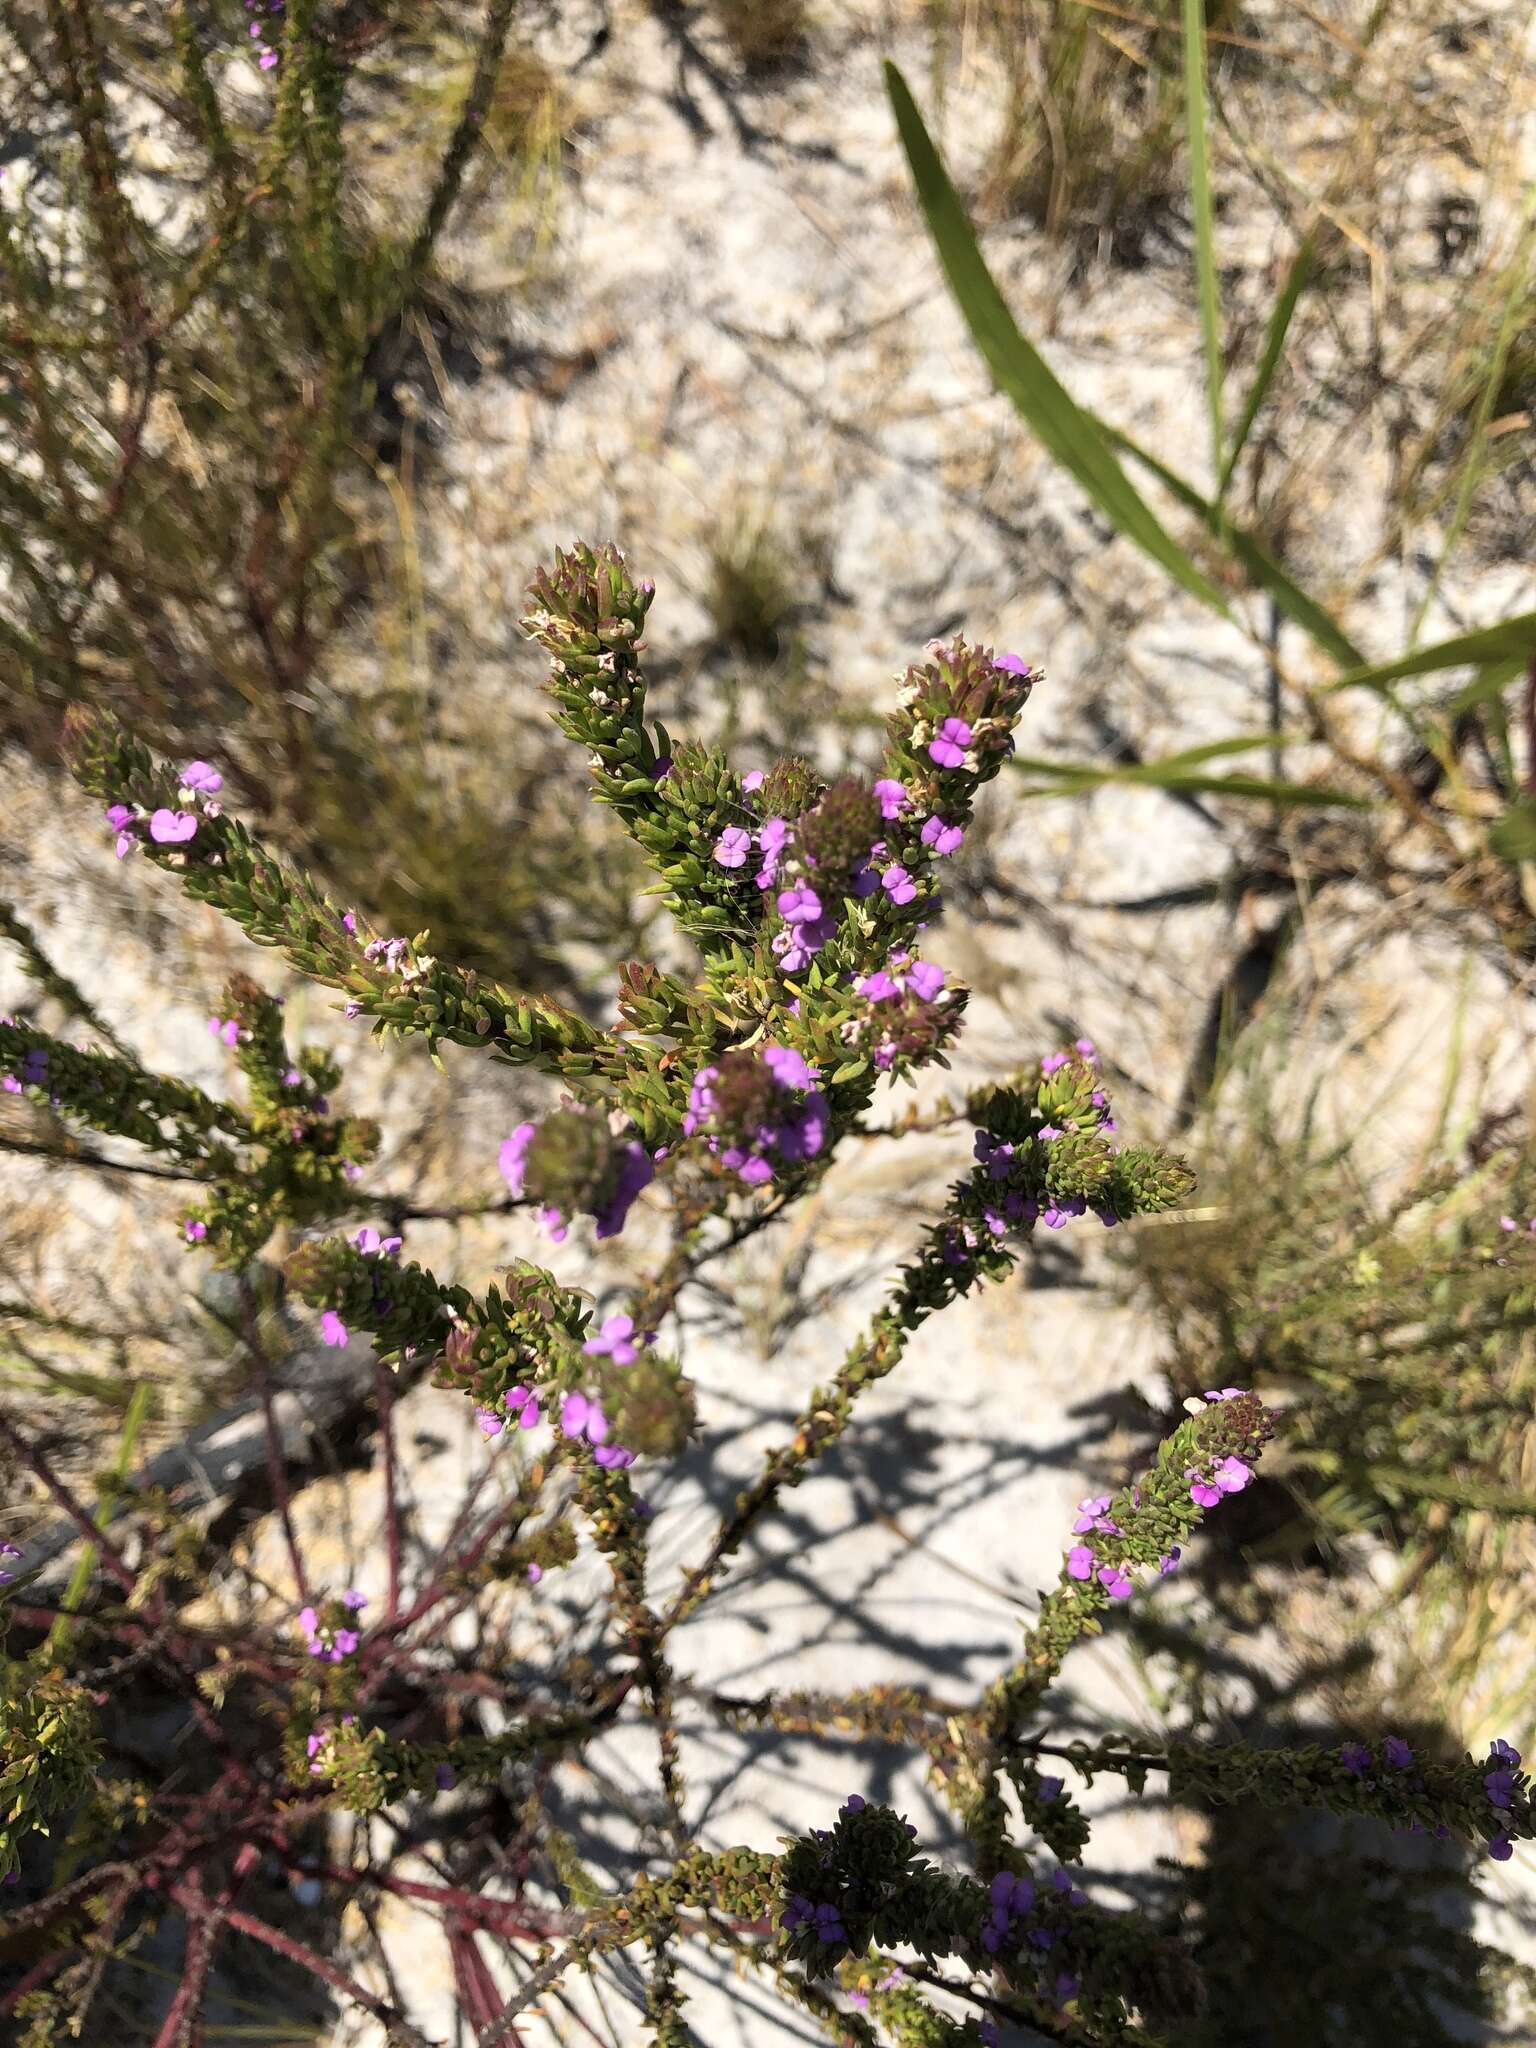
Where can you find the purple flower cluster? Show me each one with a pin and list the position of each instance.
(326, 1641)
(1499, 1784)
(1012, 1902)
(318, 1738)
(260, 30)
(168, 825)
(582, 1418)
(911, 1013)
(32, 1072)
(765, 1108)
(1209, 1489)
(632, 1171)
(824, 1921)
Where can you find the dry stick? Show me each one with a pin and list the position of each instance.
(277, 1475)
(38, 1465)
(55, 1157)
(391, 1498)
(306, 1958)
(871, 1358)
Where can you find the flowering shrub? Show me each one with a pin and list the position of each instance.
(724, 1099)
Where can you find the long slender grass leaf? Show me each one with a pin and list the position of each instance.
(1178, 775)
(1486, 686)
(1513, 837)
(1262, 570)
(1072, 434)
(1511, 639)
(1205, 237)
(1274, 344)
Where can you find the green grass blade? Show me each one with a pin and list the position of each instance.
(1072, 435)
(1183, 775)
(1205, 238)
(80, 1578)
(1262, 570)
(1488, 685)
(1513, 837)
(1513, 639)
(1274, 344)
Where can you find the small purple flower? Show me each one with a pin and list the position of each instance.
(1224, 1394)
(1115, 1582)
(1355, 1758)
(799, 905)
(332, 1329)
(893, 797)
(898, 884)
(1049, 1790)
(1088, 1512)
(1500, 1787)
(1202, 1491)
(941, 837)
(854, 1804)
(732, 847)
(615, 1341)
(369, 1240)
(512, 1158)
(1397, 1752)
(1013, 665)
(752, 782)
(120, 817)
(354, 1601)
(1170, 1563)
(787, 1067)
(1501, 1848)
(196, 1230)
(581, 1415)
(445, 1777)
(172, 828)
(877, 987)
(1504, 1752)
(490, 1423)
(535, 1573)
(201, 775)
(635, 1173)
(1232, 1475)
(925, 980)
(1080, 1562)
(948, 745)
(523, 1403)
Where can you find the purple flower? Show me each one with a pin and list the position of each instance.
(196, 1230)
(614, 1342)
(1170, 1563)
(1086, 1048)
(1088, 1512)
(369, 1240)
(732, 847)
(635, 1172)
(120, 816)
(1504, 1752)
(799, 905)
(1224, 1394)
(512, 1158)
(1013, 665)
(1232, 1475)
(227, 1029)
(752, 781)
(172, 828)
(1202, 1491)
(201, 775)
(1501, 1848)
(893, 797)
(1397, 1752)
(489, 1421)
(877, 987)
(925, 980)
(353, 1600)
(898, 884)
(1080, 1562)
(613, 1457)
(1115, 1582)
(787, 1067)
(941, 837)
(948, 745)
(1500, 1787)
(854, 1804)
(1052, 1062)
(535, 1573)
(1049, 1789)
(445, 1778)
(522, 1402)
(1355, 1758)
(332, 1329)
